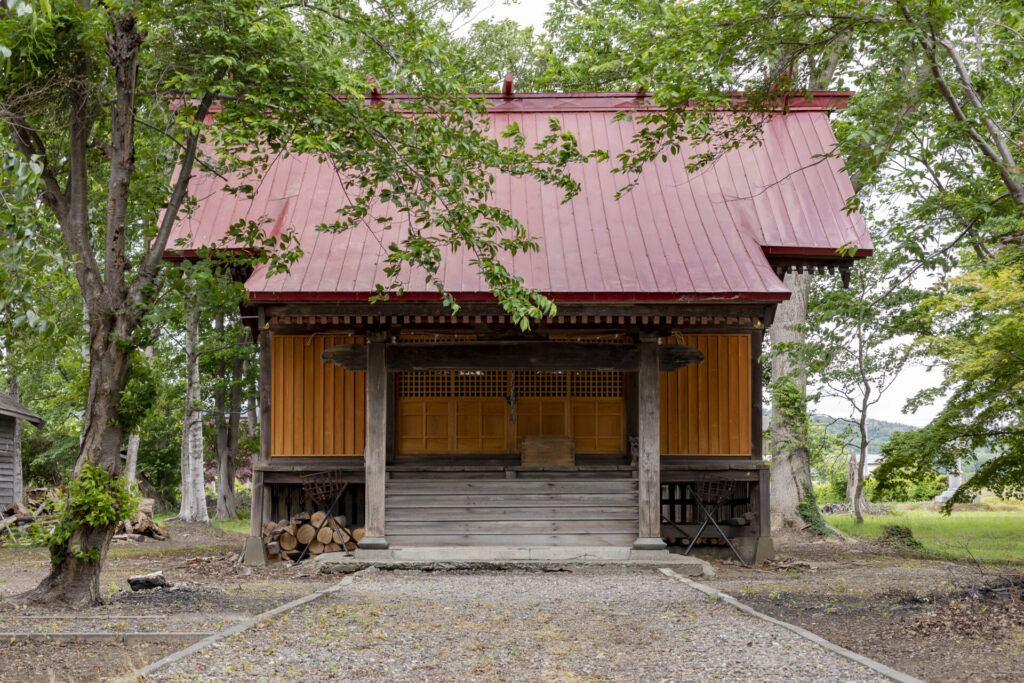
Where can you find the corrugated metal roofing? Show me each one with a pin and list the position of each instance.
(675, 236)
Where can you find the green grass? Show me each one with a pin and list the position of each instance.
(984, 535)
(240, 525)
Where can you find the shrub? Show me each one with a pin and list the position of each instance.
(907, 490)
(809, 512)
(826, 493)
(900, 536)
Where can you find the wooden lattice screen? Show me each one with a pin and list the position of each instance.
(489, 411)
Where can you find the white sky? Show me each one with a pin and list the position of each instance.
(525, 12)
(912, 380)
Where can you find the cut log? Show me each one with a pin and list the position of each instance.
(317, 518)
(17, 510)
(287, 541)
(351, 545)
(316, 547)
(273, 549)
(358, 534)
(305, 534)
(332, 548)
(147, 581)
(325, 535)
(337, 537)
(339, 520)
(300, 517)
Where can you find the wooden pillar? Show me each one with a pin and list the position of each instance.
(649, 457)
(376, 441)
(261, 502)
(390, 445)
(756, 389)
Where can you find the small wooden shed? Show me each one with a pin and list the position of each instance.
(461, 429)
(10, 447)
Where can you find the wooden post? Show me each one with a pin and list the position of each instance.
(376, 441)
(260, 502)
(649, 461)
(756, 423)
(391, 444)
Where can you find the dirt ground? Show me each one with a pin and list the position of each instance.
(933, 619)
(212, 591)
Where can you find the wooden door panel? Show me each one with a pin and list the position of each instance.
(599, 425)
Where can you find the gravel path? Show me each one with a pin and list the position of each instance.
(595, 624)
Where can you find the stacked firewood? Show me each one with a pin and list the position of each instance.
(14, 522)
(289, 537)
(16, 518)
(42, 504)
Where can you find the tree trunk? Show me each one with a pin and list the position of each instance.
(132, 458)
(852, 480)
(250, 403)
(12, 390)
(73, 580)
(859, 501)
(193, 491)
(791, 469)
(227, 431)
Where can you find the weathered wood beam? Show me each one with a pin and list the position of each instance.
(649, 456)
(376, 441)
(513, 355)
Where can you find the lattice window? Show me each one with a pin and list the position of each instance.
(413, 338)
(596, 384)
(481, 383)
(590, 338)
(424, 384)
(541, 383)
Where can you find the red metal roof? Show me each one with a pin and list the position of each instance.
(675, 236)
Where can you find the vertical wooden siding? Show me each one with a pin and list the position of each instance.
(705, 408)
(318, 408)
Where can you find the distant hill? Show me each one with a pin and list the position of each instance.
(879, 431)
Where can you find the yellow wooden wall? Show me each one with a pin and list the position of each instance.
(318, 408)
(705, 408)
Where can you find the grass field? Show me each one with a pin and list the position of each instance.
(992, 531)
(239, 525)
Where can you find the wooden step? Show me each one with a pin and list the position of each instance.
(449, 500)
(511, 540)
(552, 511)
(465, 514)
(532, 486)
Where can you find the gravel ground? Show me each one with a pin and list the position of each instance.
(593, 624)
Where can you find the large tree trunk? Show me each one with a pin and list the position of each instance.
(791, 468)
(72, 579)
(193, 480)
(227, 431)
